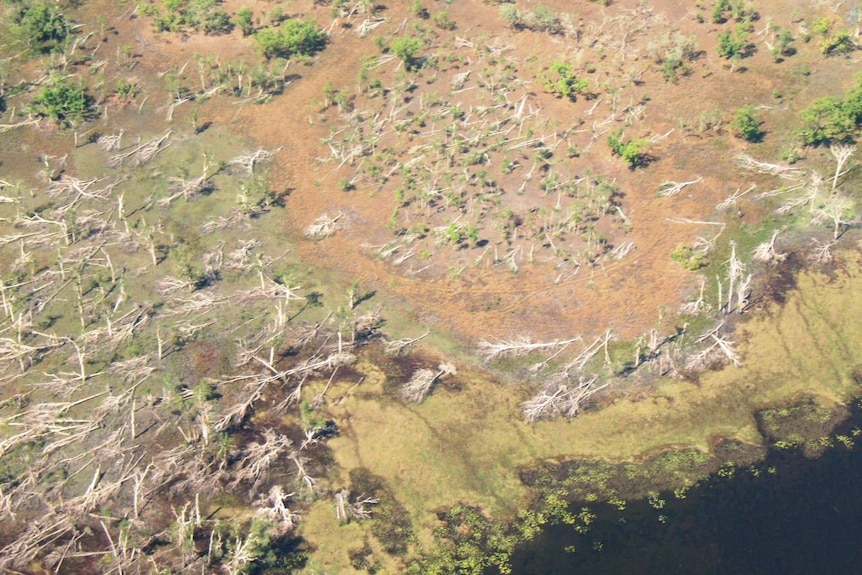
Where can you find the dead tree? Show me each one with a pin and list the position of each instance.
(765, 252)
(821, 252)
(366, 326)
(358, 509)
(420, 383)
(188, 189)
(258, 458)
(697, 306)
(322, 227)
(737, 285)
(561, 398)
(842, 153)
(748, 163)
(836, 209)
(245, 163)
(110, 143)
(141, 154)
(398, 346)
(491, 351)
(274, 508)
(306, 482)
(719, 349)
(732, 200)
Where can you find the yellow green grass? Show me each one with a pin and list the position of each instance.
(467, 446)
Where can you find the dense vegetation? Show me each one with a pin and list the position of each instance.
(832, 119)
(292, 38)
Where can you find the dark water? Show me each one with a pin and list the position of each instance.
(804, 519)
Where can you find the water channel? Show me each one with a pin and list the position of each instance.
(788, 515)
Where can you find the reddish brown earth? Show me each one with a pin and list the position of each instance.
(488, 302)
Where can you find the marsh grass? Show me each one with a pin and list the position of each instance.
(469, 446)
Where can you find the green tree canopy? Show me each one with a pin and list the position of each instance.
(41, 27)
(62, 100)
(833, 119)
(293, 37)
(561, 81)
(632, 152)
(746, 125)
(406, 48)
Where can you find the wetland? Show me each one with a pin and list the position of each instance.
(447, 287)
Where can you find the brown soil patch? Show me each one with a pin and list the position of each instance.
(487, 300)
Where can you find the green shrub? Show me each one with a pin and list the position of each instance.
(632, 152)
(544, 19)
(418, 10)
(739, 10)
(293, 37)
(511, 16)
(689, 259)
(828, 120)
(443, 21)
(126, 90)
(671, 68)
(746, 125)
(719, 11)
(199, 15)
(406, 48)
(736, 44)
(63, 101)
(561, 81)
(783, 44)
(838, 43)
(244, 20)
(821, 26)
(41, 27)
(672, 53)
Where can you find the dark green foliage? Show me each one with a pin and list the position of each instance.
(632, 152)
(746, 125)
(852, 104)
(561, 81)
(41, 27)
(293, 37)
(719, 11)
(264, 549)
(825, 121)
(62, 100)
(244, 20)
(390, 522)
(834, 42)
(205, 16)
(735, 44)
(362, 559)
(470, 544)
(832, 119)
(406, 48)
(838, 43)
